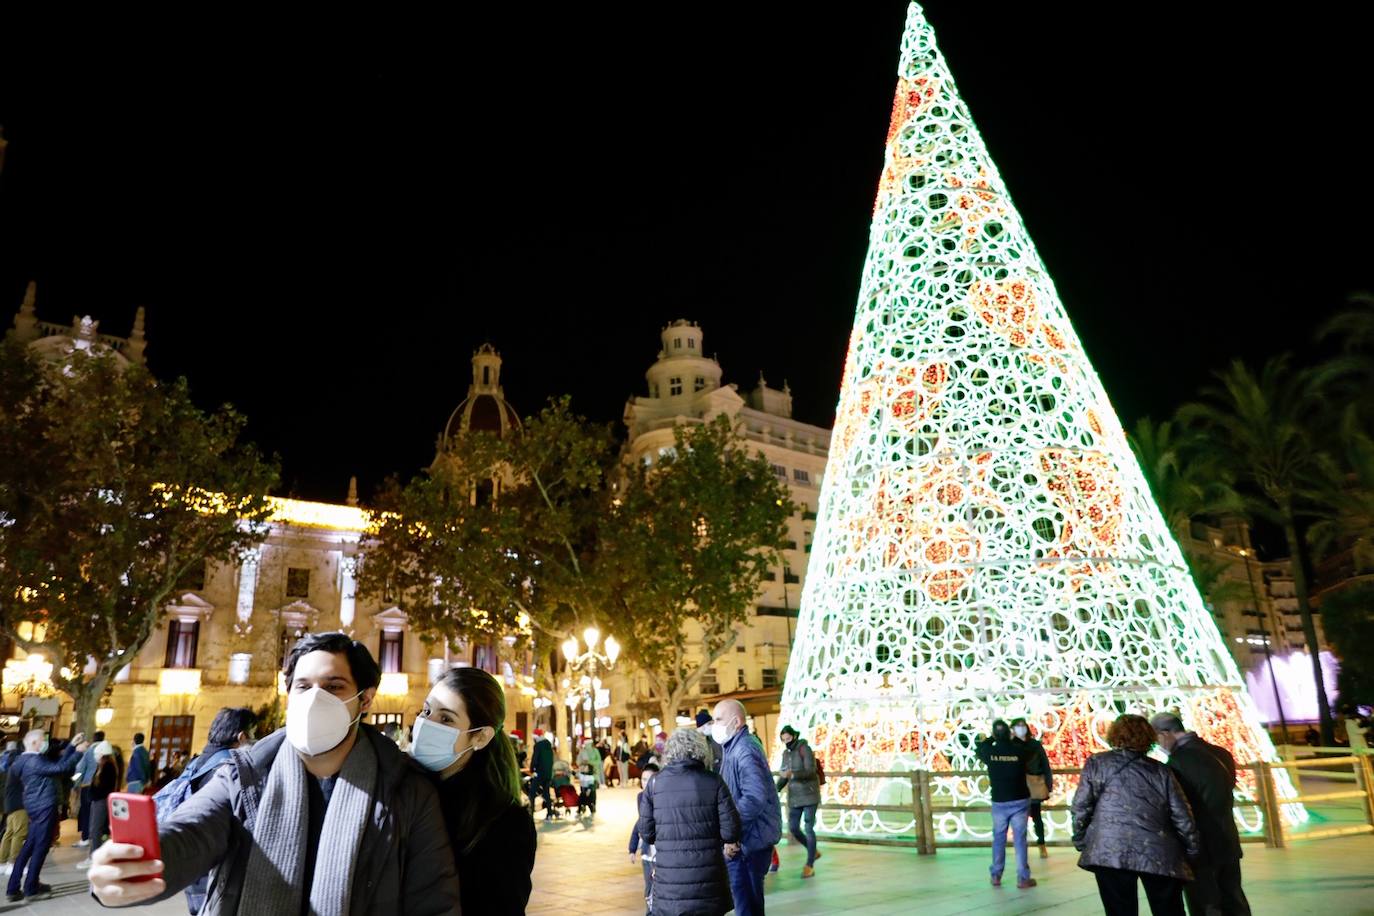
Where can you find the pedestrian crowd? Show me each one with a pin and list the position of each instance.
(329, 815)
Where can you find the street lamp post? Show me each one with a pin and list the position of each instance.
(590, 664)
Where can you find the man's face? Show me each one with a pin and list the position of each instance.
(330, 672)
(727, 717)
(1166, 740)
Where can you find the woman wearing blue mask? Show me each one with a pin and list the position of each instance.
(460, 738)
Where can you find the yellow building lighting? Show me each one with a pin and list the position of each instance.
(178, 681)
(394, 685)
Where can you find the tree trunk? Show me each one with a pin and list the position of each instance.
(86, 697)
(1309, 629)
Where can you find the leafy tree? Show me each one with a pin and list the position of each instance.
(112, 487)
(1348, 615)
(499, 538)
(1260, 429)
(686, 549)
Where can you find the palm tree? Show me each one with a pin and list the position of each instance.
(1346, 492)
(1187, 483)
(1259, 429)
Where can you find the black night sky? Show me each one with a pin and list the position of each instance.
(325, 218)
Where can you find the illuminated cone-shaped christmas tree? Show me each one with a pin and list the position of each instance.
(986, 544)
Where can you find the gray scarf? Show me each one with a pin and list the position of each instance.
(276, 863)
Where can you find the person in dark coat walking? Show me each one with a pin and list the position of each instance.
(798, 769)
(1131, 821)
(541, 772)
(643, 849)
(1208, 776)
(1037, 764)
(687, 815)
(713, 762)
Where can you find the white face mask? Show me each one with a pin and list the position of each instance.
(721, 732)
(1020, 731)
(317, 721)
(433, 744)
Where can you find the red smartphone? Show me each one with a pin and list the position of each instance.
(133, 819)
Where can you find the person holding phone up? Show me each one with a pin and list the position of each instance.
(33, 769)
(324, 816)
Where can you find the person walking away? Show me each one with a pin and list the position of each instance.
(231, 729)
(140, 766)
(1006, 763)
(324, 815)
(746, 773)
(85, 772)
(703, 721)
(1132, 822)
(1209, 786)
(541, 766)
(637, 844)
(1037, 770)
(687, 815)
(459, 739)
(103, 782)
(16, 818)
(803, 792)
(41, 802)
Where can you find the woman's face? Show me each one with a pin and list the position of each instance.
(446, 707)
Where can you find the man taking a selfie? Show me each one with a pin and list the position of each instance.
(323, 816)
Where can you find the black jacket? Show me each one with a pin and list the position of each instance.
(688, 815)
(1209, 787)
(1006, 762)
(1130, 813)
(494, 877)
(1037, 761)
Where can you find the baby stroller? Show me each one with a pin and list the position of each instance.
(564, 794)
(586, 799)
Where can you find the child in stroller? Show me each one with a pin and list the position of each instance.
(586, 799)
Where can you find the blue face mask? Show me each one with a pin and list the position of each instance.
(432, 744)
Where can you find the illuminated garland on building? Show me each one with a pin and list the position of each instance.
(986, 544)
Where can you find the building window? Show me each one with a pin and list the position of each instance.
(790, 577)
(169, 734)
(739, 647)
(699, 384)
(741, 683)
(770, 576)
(653, 390)
(770, 679)
(677, 343)
(800, 476)
(486, 375)
(691, 343)
(297, 582)
(674, 386)
(390, 655)
(182, 636)
(789, 545)
(484, 657)
(780, 471)
(709, 684)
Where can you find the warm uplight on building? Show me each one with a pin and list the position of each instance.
(318, 515)
(178, 681)
(27, 673)
(104, 716)
(396, 684)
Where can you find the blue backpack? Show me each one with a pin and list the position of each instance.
(170, 796)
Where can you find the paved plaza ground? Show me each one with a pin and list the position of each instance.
(583, 868)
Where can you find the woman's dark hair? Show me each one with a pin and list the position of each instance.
(1132, 733)
(229, 721)
(360, 661)
(493, 768)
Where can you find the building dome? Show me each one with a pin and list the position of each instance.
(485, 408)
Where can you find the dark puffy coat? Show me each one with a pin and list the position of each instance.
(688, 815)
(1209, 785)
(1129, 812)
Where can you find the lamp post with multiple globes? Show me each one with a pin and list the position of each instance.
(589, 665)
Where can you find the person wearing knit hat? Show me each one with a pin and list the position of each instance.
(713, 750)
